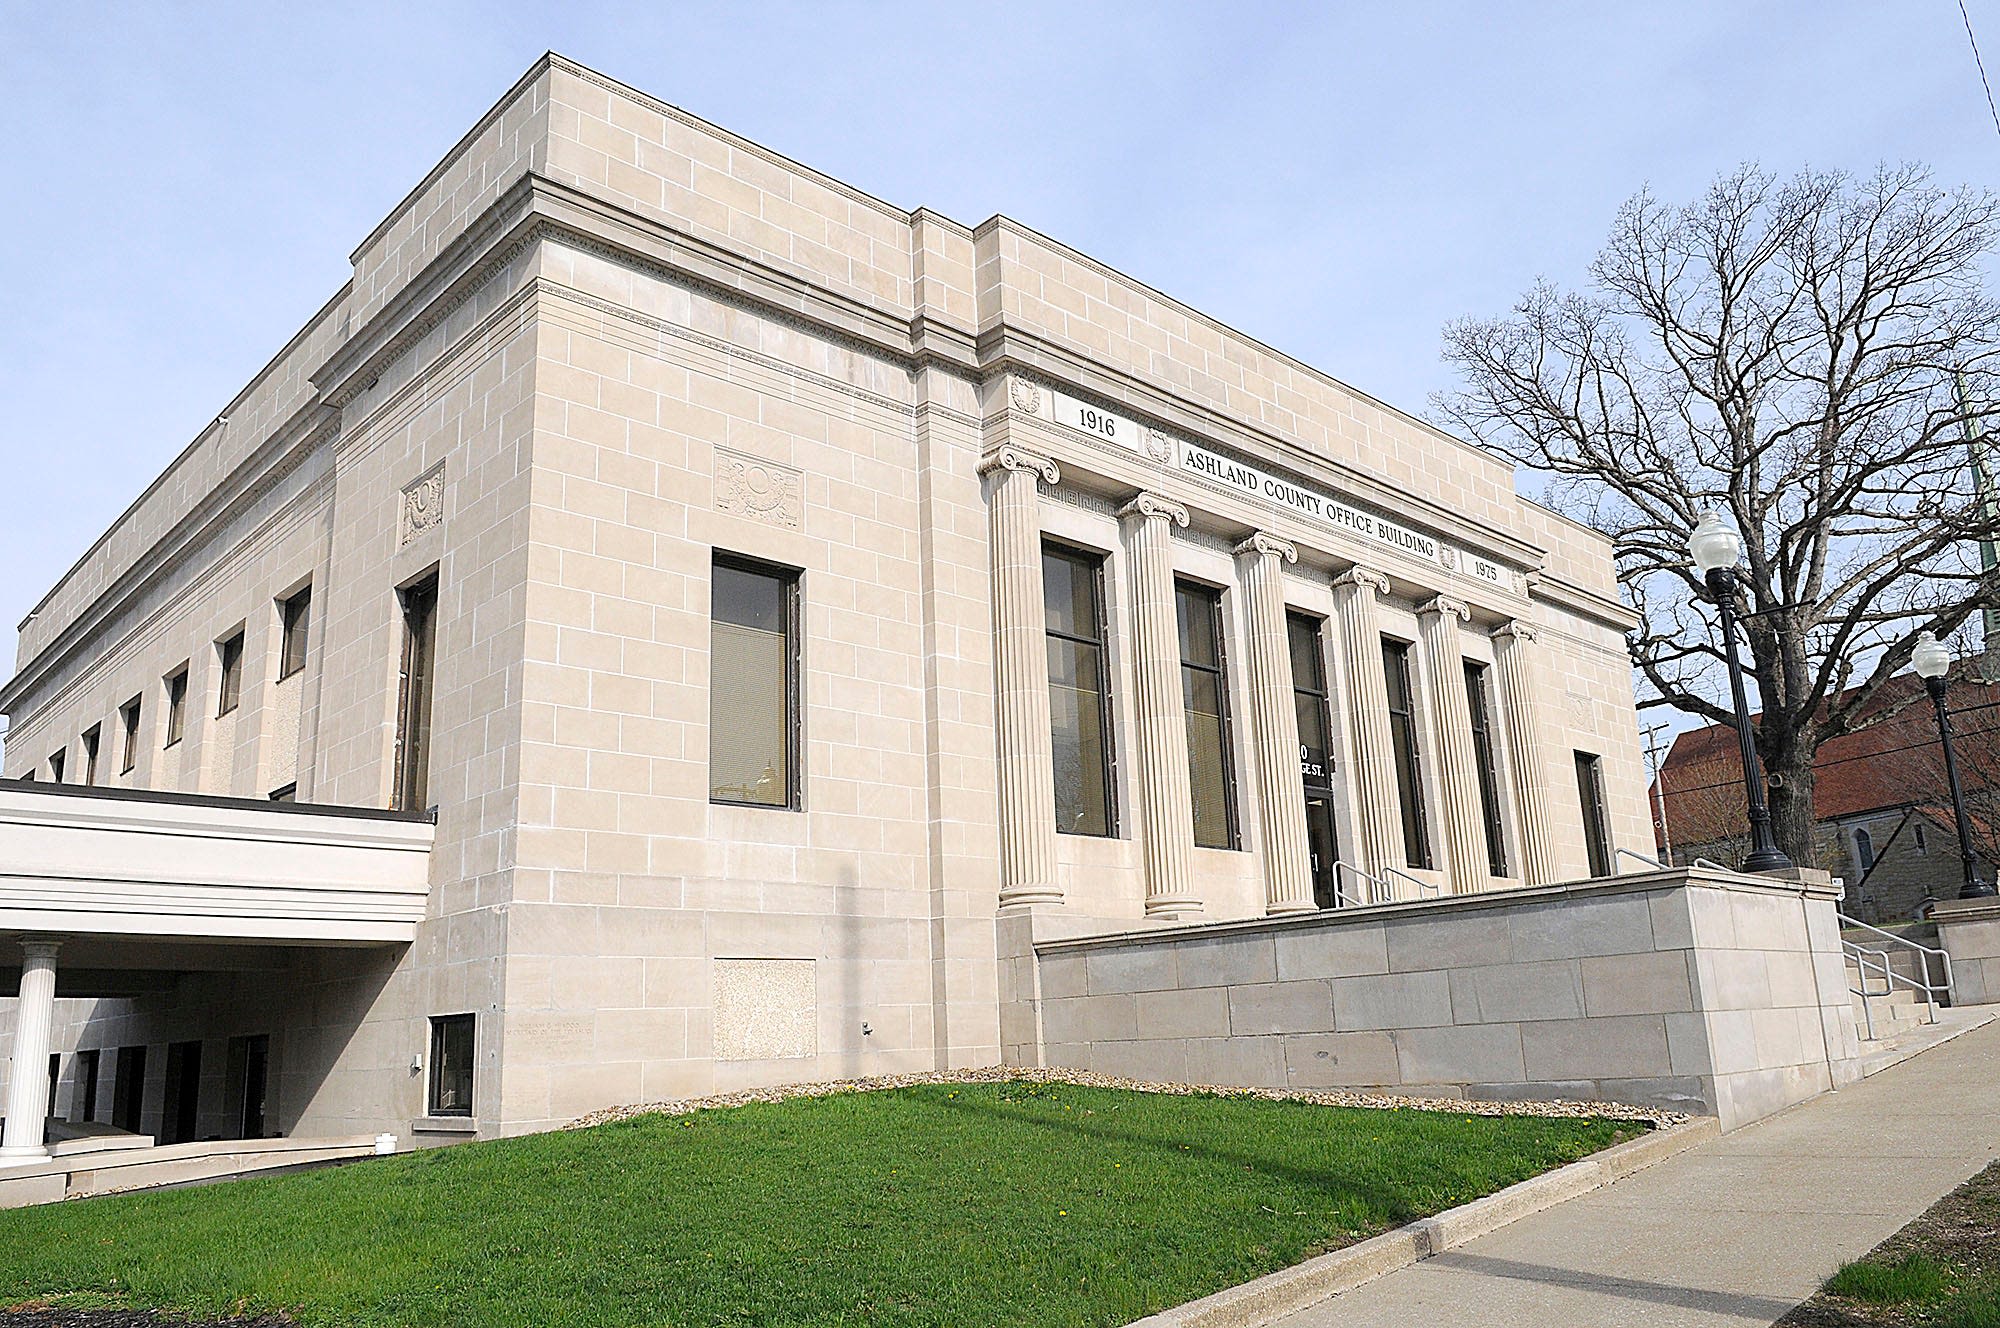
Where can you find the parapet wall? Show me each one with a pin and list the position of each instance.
(1707, 992)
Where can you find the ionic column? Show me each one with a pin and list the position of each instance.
(28, 1079)
(1379, 816)
(1166, 805)
(1021, 668)
(1287, 856)
(1520, 685)
(1458, 770)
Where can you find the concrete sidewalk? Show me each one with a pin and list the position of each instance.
(1734, 1232)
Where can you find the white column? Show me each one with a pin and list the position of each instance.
(1520, 686)
(1287, 855)
(28, 1078)
(1379, 815)
(1458, 770)
(1166, 804)
(1021, 666)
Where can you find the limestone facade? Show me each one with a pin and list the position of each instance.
(605, 341)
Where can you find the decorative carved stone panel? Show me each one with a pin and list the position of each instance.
(422, 507)
(760, 490)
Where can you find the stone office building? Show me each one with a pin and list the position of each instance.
(768, 593)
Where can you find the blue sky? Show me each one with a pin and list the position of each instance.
(185, 182)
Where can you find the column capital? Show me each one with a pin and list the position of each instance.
(1524, 632)
(1445, 604)
(1266, 545)
(40, 947)
(1153, 507)
(1363, 578)
(1010, 457)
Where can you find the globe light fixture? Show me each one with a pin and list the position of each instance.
(1931, 659)
(1714, 549)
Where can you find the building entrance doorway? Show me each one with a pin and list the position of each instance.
(1323, 843)
(249, 1075)
(180, 1108)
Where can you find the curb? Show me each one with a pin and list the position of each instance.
(1269, 1298)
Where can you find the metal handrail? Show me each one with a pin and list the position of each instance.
(1423, 886)
(1652, 864)
(1908, 944)
(1867, 1010)
(1891, 977)
(1342, 894)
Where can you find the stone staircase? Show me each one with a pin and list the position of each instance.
(1893, 1008)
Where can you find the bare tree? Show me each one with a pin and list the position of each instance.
(1808, 356)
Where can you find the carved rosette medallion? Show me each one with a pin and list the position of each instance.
(422, 508)
(1024, 395)
(761, 490)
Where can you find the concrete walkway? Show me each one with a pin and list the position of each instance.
(1734, 1232)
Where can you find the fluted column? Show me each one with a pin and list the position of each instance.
(1166, 805)
(1379, 815)
(1458, 769)
(1021, 667)
(28, 1078)
(1520, 686)
(1287, 855)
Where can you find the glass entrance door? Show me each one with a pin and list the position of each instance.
(1324, 845)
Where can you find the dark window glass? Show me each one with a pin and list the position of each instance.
(56, 762)
(753, 739)
(1205, 698)
(1309, 698)
(128, 721)
(1922, 847)
(84, 1101)
(1482, 756)
(92, 739)
(177, 692)
(295, 619)
(1403, 738)
(1864, 847)
(180, 1098)
(451, 1065)
(229, 688)
(127, 1091)
(413, 702)
(1079, 720)
(289, 793)
(1590, 794)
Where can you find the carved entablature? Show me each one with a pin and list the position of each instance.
(421, 509)
(761, 490)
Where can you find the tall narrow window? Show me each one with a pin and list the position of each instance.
(128, 724)
(1596, 830)
(295, 619)
(451, 1065)
(56, 762)
(1864, 849)
(92, 740)
(177, 695)
(1310, 699)
(1482, 757)
(83, 1103)
(128, 1089)
(413, 708)
(1403, 738)
(1079, 727)
(229, 669)
(753, 739)
(1205, 698)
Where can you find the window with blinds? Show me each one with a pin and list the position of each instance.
(294, 620)
(1403, 741)
(229, 667)
(1482, 757)
(1079, 727)
(1310, 699)
(753, 738)
(1205, 698)
(177, 691)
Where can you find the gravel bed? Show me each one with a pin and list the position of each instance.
(996, 1074)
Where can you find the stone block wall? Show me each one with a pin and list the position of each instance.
(1692, 991)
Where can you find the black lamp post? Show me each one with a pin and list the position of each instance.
(1932, 661)
(1715, 549)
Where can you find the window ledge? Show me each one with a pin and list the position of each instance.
(444, 1125)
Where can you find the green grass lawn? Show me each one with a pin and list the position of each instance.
(970, 1204)
(1940, 1271)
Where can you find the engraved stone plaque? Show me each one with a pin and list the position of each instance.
(761, 490)
(422, 506)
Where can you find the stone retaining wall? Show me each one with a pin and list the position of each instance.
(1690, 990)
